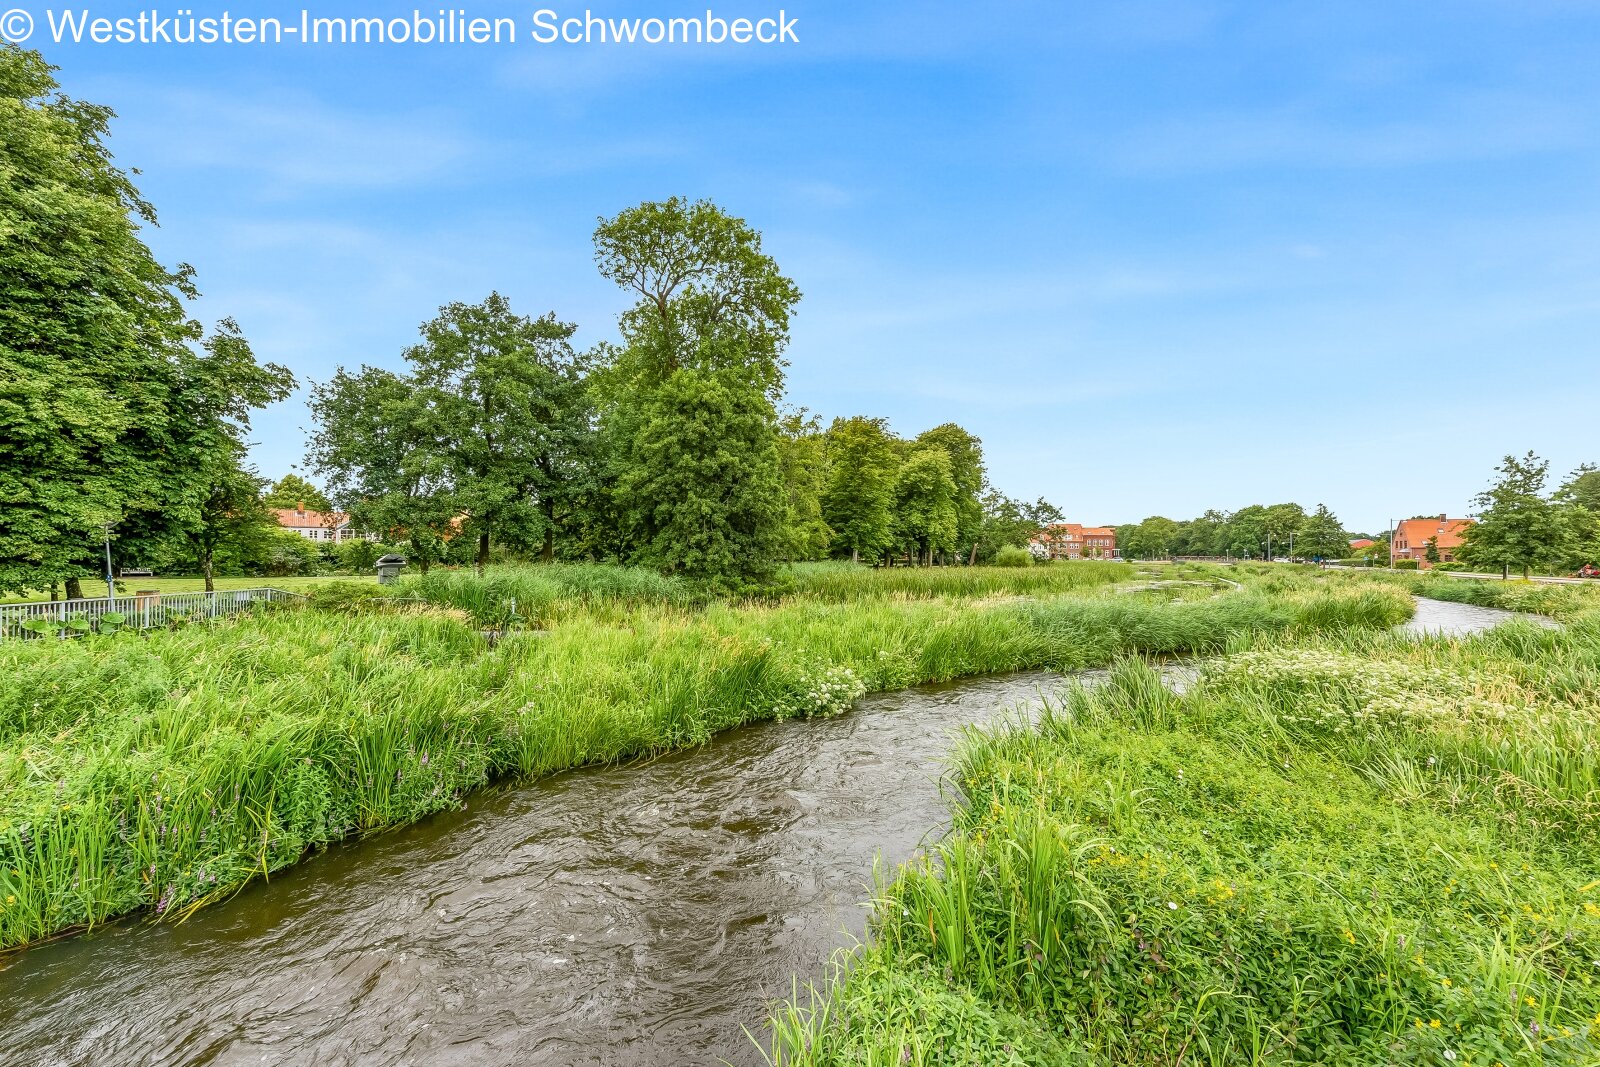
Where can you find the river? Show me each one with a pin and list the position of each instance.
(631, 915)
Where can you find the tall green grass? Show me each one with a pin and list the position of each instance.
(1538, 598)
(1359, 849)
(850, 582)
(540, 595)
(165, 771)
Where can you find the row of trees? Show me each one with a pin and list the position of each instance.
(122, 419)
(669, 448)
(1253, 532)
(1521, 525)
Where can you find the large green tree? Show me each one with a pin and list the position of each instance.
(489, 436)
(859, 498)
(293, 491)
(708, 297)
(1280, 525)
(99, 360)
(703, 343)
(1152, 538)
(1246, 532)
(234, 531)
(1518, 527)
(376, 449)
(1203, 536)
(503, 401)
(966, 470)
(1583, 488)
(803, 455)
(1011, 523)
(1322, 536)
(218, 388)
(926, 512)
(704, 491)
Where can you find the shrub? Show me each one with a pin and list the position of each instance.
(1407, 565)
(1012, 556)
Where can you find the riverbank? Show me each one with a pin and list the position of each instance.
(1359, 849)
(164, 772)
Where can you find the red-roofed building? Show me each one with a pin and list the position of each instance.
(1071, 540)
(1362, 542)
(319, 525)
(1411, 538)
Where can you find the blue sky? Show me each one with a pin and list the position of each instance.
(1160, 257)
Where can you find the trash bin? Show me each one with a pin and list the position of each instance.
(389, 569)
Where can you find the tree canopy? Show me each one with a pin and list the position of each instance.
(1520, 528)
(293, 491)
(112, 410)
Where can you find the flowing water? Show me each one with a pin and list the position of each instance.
(640, 914)
(1450, 619)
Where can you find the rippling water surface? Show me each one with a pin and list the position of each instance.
(629, 915)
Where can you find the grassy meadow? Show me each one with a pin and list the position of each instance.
(93, 588)
(163, 771)
(1349, 849)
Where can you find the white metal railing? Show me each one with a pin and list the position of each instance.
(139, 611)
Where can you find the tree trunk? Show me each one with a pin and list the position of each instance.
(483, 552)
(55, 592)
(855, 555)
(548, 553)
(972, 560)
(205, 568)
(74, 589)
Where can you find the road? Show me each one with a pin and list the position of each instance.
(1535, 578)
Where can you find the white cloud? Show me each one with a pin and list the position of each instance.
(1461, 128)
(292, 141)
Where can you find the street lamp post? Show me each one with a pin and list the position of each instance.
(111, 585)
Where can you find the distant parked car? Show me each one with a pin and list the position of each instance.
(1589, 570)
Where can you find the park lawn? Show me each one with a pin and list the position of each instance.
(129, 586)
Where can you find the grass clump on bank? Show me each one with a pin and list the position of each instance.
(164, 772)
(538, 596)
(850, 582)
(1361, 850)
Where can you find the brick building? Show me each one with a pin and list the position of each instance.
(1071, 540)
(1411, 538)
(319, 525)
